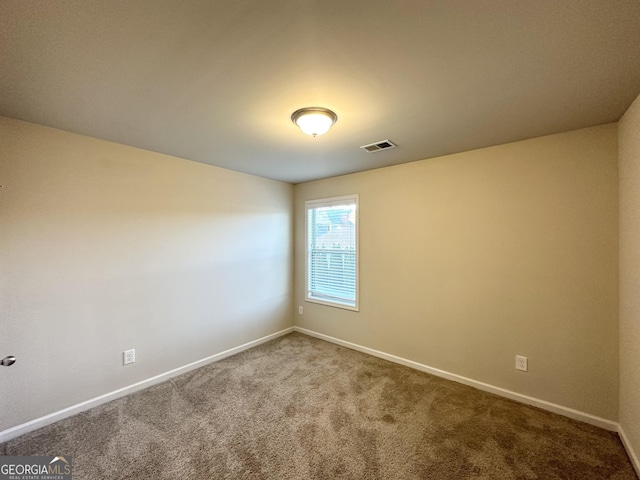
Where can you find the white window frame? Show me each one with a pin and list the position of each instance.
(327, 202)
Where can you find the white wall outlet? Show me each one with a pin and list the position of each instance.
(522, 363)
(300, 309)
(129, 356)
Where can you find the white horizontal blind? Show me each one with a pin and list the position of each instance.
(332, 256)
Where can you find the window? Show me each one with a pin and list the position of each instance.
(332, 251)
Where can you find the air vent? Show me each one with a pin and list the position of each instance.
(381, 145)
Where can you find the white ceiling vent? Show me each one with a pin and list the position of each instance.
(381, 145)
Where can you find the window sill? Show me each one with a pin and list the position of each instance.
(343, 306)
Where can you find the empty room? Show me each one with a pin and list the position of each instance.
(294, 239)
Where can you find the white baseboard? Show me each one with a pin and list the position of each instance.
(635, 461)
(18, 430)
(518, 397)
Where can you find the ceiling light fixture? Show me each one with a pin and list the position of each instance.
(314, 121)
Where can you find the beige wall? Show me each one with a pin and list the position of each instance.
(470, 259)
(629, 144)
(105, 247)
(466, 260)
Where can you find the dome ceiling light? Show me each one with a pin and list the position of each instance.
(314, 121)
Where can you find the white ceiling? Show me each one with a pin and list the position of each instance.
(217, 81)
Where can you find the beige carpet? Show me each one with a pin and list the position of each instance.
(301, 408)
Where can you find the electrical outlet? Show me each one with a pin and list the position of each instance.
(129, 356)
(300, 309)
(522, 363)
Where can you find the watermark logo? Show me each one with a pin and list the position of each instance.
(35, 468)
